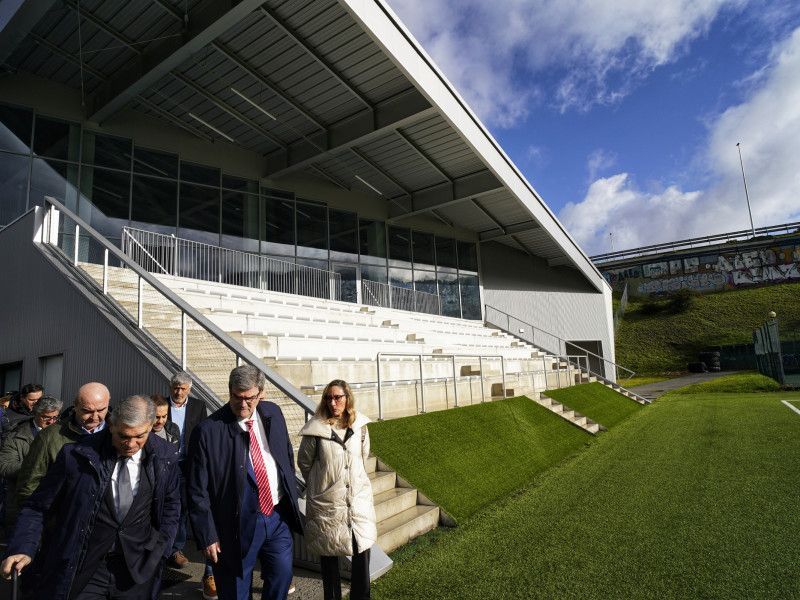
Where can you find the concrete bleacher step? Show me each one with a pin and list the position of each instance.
(407, 525)
(570, 415)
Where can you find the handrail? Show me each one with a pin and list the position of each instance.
(558, 351)
(453, 357)
(49, 234)
(207, 262)
(375, 293)
(697, 242)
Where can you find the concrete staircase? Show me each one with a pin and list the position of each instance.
(570, 415)
(402, 513)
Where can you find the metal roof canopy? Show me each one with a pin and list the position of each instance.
(336, 89)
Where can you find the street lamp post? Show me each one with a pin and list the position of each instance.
(746, 195)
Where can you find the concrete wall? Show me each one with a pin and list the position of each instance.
(44, 312)
(558, 300)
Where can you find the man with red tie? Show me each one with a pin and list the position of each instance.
(242, 492)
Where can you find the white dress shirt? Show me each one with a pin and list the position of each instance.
(269, 461)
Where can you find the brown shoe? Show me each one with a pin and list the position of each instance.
(209, 588)
(177, 560)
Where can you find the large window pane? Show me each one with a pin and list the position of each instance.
(278, 226)
(105, 200)
(106, 151)
(154, 162)
(16, 127)
(372, 241)
(470, 297)
(202, 174)
(422, 243)
(467, 257)
(56, 179)
(373, 273)
(401, 278)
(448, 290)
(446, 252)
(53, 138)
(155, 204)
(425, 281)
(343, 232)
(399, 247)
(198, 218)
(240, 184)
(240, 221)
(13, 186)
(312, 230)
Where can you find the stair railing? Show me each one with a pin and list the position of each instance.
(375, 293)
(549, 342)
(422, 379)
(180, 331)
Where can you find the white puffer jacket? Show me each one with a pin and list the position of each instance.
(339, 502)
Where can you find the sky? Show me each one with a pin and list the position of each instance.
(624, 115)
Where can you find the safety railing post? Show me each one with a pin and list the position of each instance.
(421, 384)
(175, 260)
(503, 370)
(76, 245)
(380, 397)
(480, 367)
(139, 311)
(183, 340)
(105, 271)
(455, 381)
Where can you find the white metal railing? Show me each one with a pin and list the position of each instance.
(549, 342)
(374, 293)
(173, 326)
(439, 357)
(159, 253)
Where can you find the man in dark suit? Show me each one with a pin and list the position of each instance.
(115, 497)
(242, 491)
(185, 412)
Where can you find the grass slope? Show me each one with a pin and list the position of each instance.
(736, 383)
(467, 458)
(694, 497)
(663, 335)
(596, 401)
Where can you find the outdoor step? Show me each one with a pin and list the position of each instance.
(382, 481)
(394, 501)
(371, 463)
(497, 391)
(413, 522)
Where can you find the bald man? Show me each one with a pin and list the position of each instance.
(91, 407)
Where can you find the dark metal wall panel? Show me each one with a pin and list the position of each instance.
(54, 317)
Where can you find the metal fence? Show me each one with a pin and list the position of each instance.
(374, 293)
(767, 346)
(175, 330)
(159, 253)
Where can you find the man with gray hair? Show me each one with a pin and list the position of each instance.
(242, 491)
(17, 444)
(116, 498)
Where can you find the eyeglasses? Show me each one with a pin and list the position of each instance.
(247, 399)
(337, 398)
(49, 419)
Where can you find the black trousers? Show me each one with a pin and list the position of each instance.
(359, 582)
(111, 580)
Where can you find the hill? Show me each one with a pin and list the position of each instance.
(663, 335)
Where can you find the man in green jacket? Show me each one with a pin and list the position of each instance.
(17, 444)
(91, 407)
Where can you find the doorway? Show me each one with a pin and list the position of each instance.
(351, 281)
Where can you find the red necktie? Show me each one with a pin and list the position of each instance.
(264, 491)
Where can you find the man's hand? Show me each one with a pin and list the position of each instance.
(211, 552)
(21, 560)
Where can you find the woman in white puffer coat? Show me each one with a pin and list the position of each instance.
(340, 513)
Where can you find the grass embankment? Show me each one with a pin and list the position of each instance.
(736, 383)
(596, 401)
(663, 335)
(643, 380)
(467, 458)
(694, 497)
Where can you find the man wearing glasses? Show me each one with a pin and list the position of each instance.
(242, 491)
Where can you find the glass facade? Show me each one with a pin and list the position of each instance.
(113, 183)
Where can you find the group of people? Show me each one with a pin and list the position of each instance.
(104, 495)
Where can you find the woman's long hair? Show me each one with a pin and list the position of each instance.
(324, 409)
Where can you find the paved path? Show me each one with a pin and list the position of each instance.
(662, 387)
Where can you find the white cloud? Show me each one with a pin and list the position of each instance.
(768, 126)
(505, 56)
(600, 160)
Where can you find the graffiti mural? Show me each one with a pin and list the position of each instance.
(711, 272)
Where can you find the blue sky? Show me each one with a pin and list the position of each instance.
(624, 115)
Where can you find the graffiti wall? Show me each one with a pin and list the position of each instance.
(775, 263)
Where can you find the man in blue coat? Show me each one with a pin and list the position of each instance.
(242, 491)
(115, 503)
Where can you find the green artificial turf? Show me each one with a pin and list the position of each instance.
(467, 458)
(695, 497)
(736, 383)
(594, 400)
(635, 381)
(660, 335)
